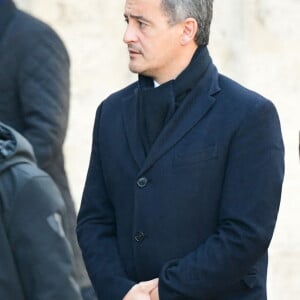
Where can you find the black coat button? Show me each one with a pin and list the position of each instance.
(139, 236)
(142, 182)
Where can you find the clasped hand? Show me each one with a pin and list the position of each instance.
(145, 290)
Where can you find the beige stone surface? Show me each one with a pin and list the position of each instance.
(256, 42)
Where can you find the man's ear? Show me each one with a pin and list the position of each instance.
(190, 28)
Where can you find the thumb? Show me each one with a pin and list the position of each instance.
(148, 286)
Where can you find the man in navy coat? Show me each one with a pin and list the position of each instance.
(185, 177)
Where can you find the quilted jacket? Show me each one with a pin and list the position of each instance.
(34, 98)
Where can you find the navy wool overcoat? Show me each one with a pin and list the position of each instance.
(199, 211)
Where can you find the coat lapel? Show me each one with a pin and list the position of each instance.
(131, 127)
(197, 104)
(190, 112)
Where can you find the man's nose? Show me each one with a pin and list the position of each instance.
(129, 34)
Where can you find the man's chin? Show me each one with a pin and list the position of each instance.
(135, 69)
(139, 70)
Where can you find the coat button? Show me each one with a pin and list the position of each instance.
(139, 236)
(142, 182)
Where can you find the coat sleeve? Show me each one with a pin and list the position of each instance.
(96, 230)
(248, 210)
(41, 251)
(43, 85)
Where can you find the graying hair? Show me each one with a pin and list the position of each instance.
(200, 10)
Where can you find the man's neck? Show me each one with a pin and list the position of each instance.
(179, 64)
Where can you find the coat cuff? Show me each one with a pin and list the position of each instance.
(166, 292)
(113, 288)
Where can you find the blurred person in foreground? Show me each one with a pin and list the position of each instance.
(36, 260)
(34, 100)
(186, 170)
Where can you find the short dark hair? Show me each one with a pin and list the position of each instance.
(200, 10)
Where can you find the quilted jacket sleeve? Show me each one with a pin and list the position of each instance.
(43, 80)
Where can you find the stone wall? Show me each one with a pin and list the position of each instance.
(256, 42)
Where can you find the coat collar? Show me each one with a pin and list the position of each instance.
(190, 112)
(157, 105)
(7, 10)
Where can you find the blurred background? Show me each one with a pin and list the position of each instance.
(255, 42)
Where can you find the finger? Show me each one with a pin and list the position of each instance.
(148, 286)
(154, 295)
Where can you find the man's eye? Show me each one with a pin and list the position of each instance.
(141, 24)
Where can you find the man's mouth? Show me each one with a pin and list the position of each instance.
(133, 52)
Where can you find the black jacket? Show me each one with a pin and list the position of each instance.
(34, 99)
(35, 261)
(34, 86)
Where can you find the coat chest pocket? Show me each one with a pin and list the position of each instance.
(195, 155)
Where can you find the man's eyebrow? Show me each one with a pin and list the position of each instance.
(137, 17)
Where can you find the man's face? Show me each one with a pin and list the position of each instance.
(153, 43)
